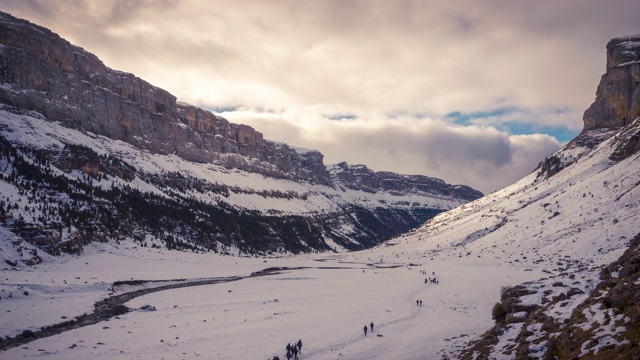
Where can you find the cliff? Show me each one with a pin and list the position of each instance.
(42, 72)
(618, 95)
(616, 109)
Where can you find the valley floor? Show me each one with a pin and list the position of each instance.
(324, 299)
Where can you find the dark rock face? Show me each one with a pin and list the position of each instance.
(618, 96)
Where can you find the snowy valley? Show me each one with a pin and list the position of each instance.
(542, 269)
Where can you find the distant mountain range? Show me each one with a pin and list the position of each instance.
(88, 153)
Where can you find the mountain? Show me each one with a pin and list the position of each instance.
(88, 154)
(576, 219)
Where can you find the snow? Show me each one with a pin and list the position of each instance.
(605, 336)
(325, 301)
(301, 150)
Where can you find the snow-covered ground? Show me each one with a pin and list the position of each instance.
(325, 300)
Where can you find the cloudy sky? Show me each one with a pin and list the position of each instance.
(472, 92)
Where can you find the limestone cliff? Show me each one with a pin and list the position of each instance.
(42, 72)
(616, 108)
(618, 96)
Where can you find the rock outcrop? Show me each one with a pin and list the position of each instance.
(617, 106)
(617, 101)
(42, 72)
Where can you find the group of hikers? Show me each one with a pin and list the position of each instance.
(365, 328)
(431, 280)
(426, 281)
(292, 351)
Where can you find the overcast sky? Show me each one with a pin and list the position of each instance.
(472, 92)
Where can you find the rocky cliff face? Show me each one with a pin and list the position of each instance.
(617, 106)
(618, 95)
(45, 73)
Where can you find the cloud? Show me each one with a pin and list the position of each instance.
(483, 156)
(386, 64)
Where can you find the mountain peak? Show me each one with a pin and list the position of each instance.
(623, 50)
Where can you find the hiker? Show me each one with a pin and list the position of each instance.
(365, 330)
(417, 302)
(299, 345)
(371, 326)
(288, 355)
(420, 302)
(294, 352)
(288, 348)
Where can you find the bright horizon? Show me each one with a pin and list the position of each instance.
(472, 94)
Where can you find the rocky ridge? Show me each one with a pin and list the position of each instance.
(45, 73)
(359, 177)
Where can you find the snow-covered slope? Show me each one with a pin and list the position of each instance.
(583, 215)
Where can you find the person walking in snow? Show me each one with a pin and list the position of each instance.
(299, 345)
(417, 302)
(294, 352)
(371, 325)
(288, 348)
(365, 330)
